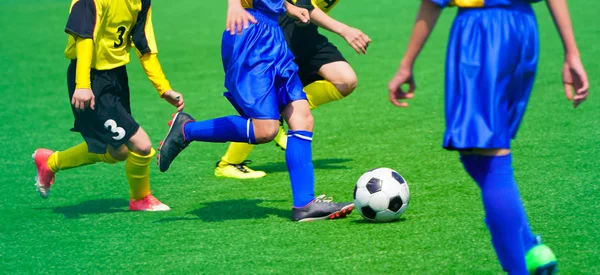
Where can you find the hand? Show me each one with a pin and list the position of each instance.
(301, 14)
(83, 98)
(356, 39)
(403, 76)
(175, 99)
(238, 20)
(574, 77)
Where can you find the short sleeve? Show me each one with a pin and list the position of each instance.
(307, 4)
(83, 18)
(143, 32)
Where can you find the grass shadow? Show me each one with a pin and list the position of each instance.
(363, 221)
(102, 206)
(276, 167)
(231, 210)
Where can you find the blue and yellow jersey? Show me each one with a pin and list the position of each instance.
(479, 3)
(269, 7)
(114, 26)
(324, 5)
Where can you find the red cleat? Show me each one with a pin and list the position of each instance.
(45, 176)
(148, 203)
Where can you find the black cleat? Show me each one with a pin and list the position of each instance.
(322, 208)
(174, 142)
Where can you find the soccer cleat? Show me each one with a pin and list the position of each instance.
(321, 208)
(148, 203)
(541, 260)
(238, 171)
(45, 176)
(174, 142)
(281, 137)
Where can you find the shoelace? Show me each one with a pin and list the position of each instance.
(242, 166)
(323, 198)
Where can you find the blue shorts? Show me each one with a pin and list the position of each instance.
(260, 74)
(490, 68)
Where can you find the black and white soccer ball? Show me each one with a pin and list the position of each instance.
(381, 195)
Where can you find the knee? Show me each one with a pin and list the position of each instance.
(265, 132)
(119, 154)
(143, 149)
(346, 84)
(303, 122)
(140, 143)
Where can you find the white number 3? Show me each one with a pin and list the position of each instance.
(111, 125)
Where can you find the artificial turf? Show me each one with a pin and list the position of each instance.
(232, 226)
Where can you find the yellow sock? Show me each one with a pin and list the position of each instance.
(321, 92)
(137, 169)
(236, 153)
(76, 156)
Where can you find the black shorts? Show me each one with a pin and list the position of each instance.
(111, 122)
(311, 49)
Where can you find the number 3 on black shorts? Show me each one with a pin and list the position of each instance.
(111, 125)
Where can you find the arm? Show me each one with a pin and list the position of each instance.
(81, 25)
(299, 13)
(574, 75)
(143, 38)
(355, 38)
(238, 18)
(428, 14)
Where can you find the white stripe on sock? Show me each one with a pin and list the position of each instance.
(303, 137)
(248, 131)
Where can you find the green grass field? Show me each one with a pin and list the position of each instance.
(229, 226)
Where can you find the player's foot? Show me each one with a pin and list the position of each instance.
(148, 203)
(541, 260)
(281, 137)
(237, 171)
(174, 142)
(45, 176)
(322, 208)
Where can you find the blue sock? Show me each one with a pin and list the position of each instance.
(223, 129)
(298, 156)
(505, 216)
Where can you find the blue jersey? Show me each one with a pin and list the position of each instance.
(268, 7)
(479, 3)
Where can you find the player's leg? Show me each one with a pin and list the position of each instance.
(327, 77)
(339, 81)
(298, 157)
(504, 212)
(184, 129)
(137, 170)
(250, 85)
(234, 164)
(324, 72)
(48, 163)
(93, 150)
(505, 215)
(120, 129)
(470, 123)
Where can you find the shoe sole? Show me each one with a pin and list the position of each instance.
(335, 215)
(151, 210)
(163, 141)
(221, 175)
(38, 184)
(547, 269)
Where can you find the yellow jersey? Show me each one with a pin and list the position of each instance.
(114, 26)
(324, 5)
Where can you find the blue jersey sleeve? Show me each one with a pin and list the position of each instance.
(441, 3)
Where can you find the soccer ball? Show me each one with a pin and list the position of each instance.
(381, 195)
